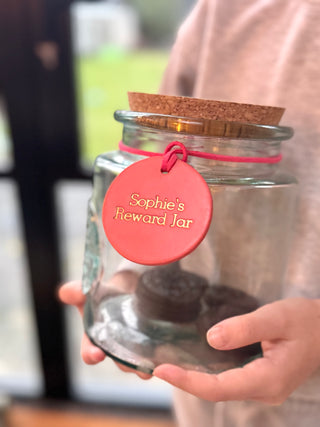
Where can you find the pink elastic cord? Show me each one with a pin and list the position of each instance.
(170, 155)
(203, 155)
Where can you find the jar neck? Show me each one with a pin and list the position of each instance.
(156, 140)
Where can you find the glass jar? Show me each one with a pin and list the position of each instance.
(144, 316)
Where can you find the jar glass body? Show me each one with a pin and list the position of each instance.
(240, 264)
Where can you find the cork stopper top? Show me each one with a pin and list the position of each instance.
(205, 108)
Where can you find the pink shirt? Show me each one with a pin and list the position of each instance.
(265, 52)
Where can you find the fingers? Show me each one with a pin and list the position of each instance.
(71, 293)
(143, 375)
(125, 368)
(90, 353)
(254, 381)
(264, 324)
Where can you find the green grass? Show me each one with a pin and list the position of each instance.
(103, 81)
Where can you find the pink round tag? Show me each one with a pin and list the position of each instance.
(153, 218)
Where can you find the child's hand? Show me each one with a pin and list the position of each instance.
(289, 334)
(71, 293)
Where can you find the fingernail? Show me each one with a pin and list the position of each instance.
(216, 337)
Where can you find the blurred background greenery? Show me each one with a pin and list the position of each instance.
(103, 82)
(120, 46)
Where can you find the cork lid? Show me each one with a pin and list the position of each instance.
(204, 108)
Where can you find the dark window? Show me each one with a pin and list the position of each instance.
(65, 67)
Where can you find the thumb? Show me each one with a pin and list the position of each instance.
(264, 324)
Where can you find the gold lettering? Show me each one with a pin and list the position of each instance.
(150, 203)
(170, 206)
(119, 212)
(147, 219)
(174, 220)
(127, 216)
(142, 203)
(135, 201)
(181, 222)
(188, 222)
(181, 207)
(161, 220)
(158, 204)
(136, 217)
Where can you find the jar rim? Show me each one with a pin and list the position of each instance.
(204, 127)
